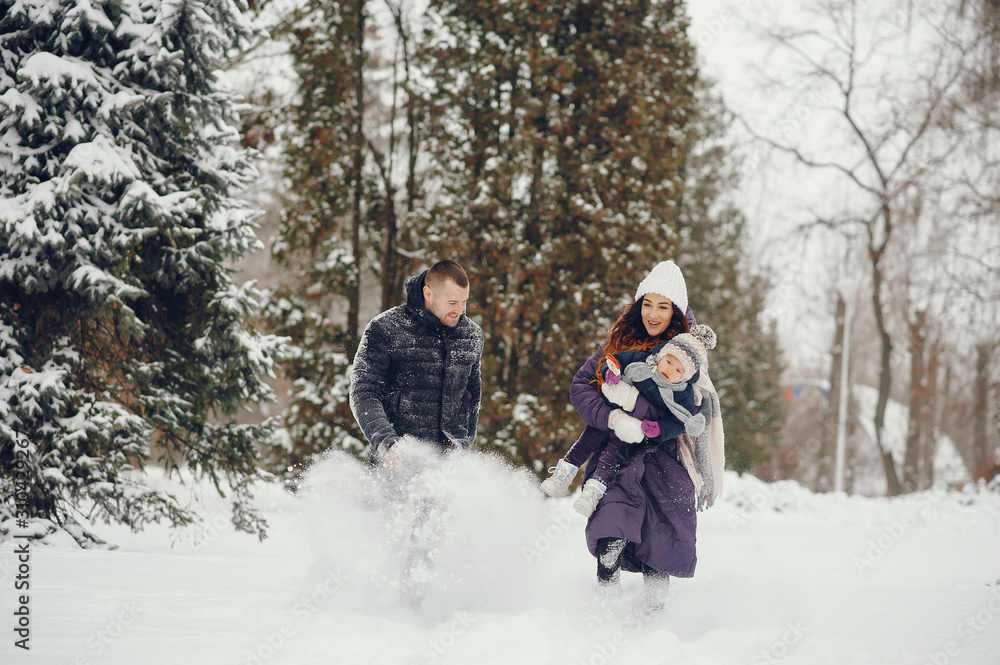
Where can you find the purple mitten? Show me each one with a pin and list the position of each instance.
(651, 428)
(611, 377)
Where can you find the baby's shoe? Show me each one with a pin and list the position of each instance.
(563, 474)
(592, 492)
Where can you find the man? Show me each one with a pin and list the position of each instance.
(416, 372)
(416, 377)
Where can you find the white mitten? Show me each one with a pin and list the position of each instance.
(626, 427)
(621, 394)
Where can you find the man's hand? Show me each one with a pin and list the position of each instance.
(410, 454)
(397, 456)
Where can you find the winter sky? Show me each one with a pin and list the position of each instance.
(728, 53)
(776, 195)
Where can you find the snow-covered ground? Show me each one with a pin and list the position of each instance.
(783, 576)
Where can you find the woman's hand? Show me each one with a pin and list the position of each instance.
(625, 427)
(621, 394)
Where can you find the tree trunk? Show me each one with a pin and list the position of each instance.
(981, 459)
(354, 291)
(395, 264)
(885, 375)
(825, 464)
(389, 250)
(930, 417)
(916, 435)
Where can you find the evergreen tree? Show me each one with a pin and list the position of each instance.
(320, 239)
(121, 326)
(724, 292)
(343, 143)
(557, 133)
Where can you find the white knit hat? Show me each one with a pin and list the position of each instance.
(665, 280)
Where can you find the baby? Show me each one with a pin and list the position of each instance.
(665, 378)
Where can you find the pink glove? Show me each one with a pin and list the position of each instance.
(611, 377)
(651, 428)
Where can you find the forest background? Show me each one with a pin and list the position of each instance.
(771, 271)
(558, 151)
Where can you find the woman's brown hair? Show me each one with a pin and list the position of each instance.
(629, 334)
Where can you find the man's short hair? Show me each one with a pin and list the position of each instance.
(445, 270)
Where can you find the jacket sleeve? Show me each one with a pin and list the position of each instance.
(670, 425)
(586, 396)
(475, 391)
(644, 410)
(626, 358)
(368, 386)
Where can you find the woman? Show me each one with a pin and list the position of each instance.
(647, 519)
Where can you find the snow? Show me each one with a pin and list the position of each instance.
(101, 160)
(16, 101)
(784, 575)
(45, 66)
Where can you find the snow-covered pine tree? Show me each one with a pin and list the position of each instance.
(558, 131)
(123, 337)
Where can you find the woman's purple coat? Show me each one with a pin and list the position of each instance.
(650, 501)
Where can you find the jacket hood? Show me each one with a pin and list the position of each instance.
(414, 288)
